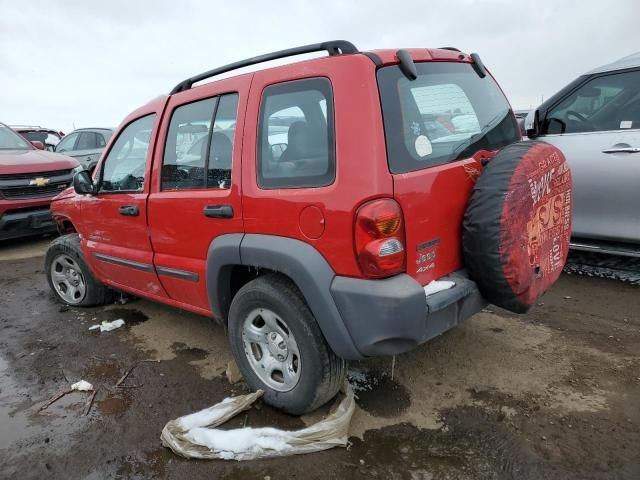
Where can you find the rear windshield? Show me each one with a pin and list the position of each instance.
(446, 114)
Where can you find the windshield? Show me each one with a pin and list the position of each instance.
(10, 140)
(446, 114)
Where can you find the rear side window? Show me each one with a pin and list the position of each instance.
(196, 154)
(296, 146)
(446, 114)
(87, 141)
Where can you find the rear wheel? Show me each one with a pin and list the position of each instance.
(69, 276)
(279, 347)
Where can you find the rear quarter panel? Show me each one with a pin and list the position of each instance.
(361, 164)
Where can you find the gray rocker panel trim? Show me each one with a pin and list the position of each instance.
(177, 273)
(296, 259)
(123, 262)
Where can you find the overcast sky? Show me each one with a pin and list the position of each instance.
(83, 63)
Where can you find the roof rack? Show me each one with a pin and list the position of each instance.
(333, 47)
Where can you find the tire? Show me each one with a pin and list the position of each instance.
(274, 300)
(517, 225)
(64, 257)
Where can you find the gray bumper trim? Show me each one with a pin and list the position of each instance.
(31, 222)
(391, 316)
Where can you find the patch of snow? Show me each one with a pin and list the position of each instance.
(240, 440)
(82, 386)
(361, 381)
(436, 286)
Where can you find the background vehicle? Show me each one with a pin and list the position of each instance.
(595, 121)
(287, 206)
(29, 179)
(521, 115)
(48, 137)
(85, 145)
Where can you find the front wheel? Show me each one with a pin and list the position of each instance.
(69, 276)
(279, 347)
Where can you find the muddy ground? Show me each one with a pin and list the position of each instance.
(553, 394)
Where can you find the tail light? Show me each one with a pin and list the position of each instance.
(379, 238)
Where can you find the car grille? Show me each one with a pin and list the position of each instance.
(31, 176)
(14, 187)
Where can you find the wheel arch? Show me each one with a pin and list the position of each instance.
(234, 259)
(64, 224)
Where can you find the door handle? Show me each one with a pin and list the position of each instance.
(129, 211)
(621, 150)
(218, 211)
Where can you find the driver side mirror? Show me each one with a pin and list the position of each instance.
(83, 184)
(39, 145)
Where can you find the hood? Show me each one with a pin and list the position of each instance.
(33, 161)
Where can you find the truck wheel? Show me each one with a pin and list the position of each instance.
(279, 347)
(69, 276)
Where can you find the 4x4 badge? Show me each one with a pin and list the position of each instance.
(39, 182)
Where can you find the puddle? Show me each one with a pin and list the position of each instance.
(131, 316)
(385, 397)
(115, 405)
(14, 423)
(102, 373)
(188, 354)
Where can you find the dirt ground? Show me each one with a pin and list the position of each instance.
(553, 394)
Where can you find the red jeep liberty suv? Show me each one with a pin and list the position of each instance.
(310, 207)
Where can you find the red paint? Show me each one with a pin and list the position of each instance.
(171, 230)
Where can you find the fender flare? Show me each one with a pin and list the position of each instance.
(298, 260)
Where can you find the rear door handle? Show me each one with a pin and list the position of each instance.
(622, 150)
(129, 210)
(218, 211)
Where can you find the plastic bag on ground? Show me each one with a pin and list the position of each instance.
(195, 435)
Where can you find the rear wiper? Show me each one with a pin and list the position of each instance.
(476, 137)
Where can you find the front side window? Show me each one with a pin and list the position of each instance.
(610, 102)
(10, 140)
(296, 135)
(196, 154)
(446, 114)
(124, 167)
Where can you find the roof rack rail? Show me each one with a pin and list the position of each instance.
(453, 49)
(333, 47)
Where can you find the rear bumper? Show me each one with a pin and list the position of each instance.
(18, 223)
(392, 316)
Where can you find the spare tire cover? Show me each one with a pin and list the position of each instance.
(517, 225)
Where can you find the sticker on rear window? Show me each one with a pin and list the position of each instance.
(626, 124)
(423, 146)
